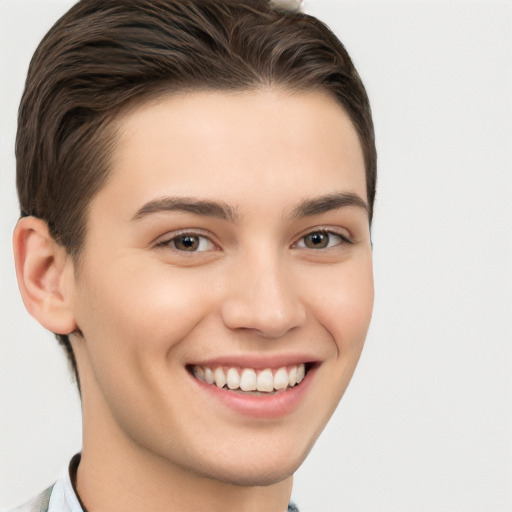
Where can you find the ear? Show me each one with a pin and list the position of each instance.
(45, 275)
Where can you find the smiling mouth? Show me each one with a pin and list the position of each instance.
(252, 381)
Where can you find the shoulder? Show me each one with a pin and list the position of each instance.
(38, 504)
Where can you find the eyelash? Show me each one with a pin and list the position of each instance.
(343, 240)
(170, 242)
(301, 244)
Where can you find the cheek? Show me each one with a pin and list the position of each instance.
(344, 303)
(134, 328)
(140, 311)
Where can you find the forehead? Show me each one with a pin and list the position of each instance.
(232, 146)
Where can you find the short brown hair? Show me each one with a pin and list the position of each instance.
(105, 55)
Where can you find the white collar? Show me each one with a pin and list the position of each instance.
(64, 498)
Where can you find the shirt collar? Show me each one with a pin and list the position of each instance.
(64, 497)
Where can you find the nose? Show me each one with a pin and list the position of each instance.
(261, 296)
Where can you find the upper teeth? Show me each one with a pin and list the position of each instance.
(248, 379)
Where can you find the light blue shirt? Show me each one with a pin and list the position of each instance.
(60, 497)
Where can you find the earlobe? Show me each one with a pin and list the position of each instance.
(45, 276)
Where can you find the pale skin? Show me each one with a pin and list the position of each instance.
(274, 266)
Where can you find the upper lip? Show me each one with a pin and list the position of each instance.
(256, 361)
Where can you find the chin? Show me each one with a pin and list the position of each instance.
(254, 470)
(253, 476)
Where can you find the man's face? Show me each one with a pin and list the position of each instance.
(229, 243)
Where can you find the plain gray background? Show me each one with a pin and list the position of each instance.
(426, 424)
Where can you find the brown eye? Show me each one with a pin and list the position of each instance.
(317, 240)
(321, 240)
(189, 243)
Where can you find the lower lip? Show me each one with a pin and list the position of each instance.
(275, 405)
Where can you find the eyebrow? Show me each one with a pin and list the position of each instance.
(201, 207)
(326, 203)
(221, 210)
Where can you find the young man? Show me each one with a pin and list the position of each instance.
(196, 182)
